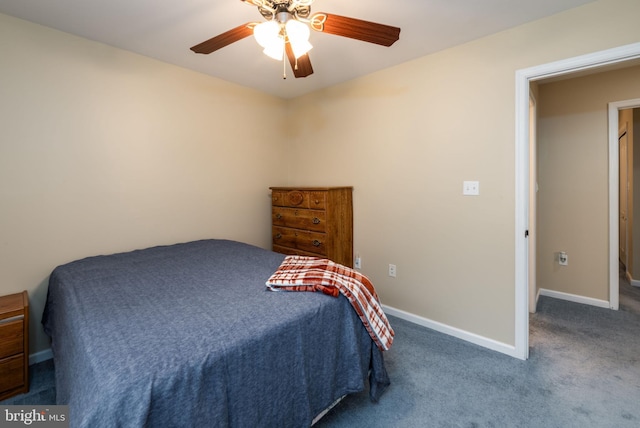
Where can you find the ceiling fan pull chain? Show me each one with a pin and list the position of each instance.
(284, 67)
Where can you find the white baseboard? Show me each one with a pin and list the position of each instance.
(485, 342)
(575, 298)
(41, 356)
(535, 307)
(634, 282)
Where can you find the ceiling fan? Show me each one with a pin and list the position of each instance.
(286, 32)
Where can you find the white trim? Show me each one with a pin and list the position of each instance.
(41, 356)
(522, 216)
(452, 331)
(634, 282)
(523, 79)
(574, 298)
(533, 180)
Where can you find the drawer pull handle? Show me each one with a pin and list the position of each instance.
(278, 216)
(316, 220)
(11, 319)
(316, 243)
(278, 235)
(317, 201)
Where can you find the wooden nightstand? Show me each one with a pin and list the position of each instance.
(14, 344)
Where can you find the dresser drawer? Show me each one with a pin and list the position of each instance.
(313, 242)
(12, 373)
(11, 337)
(299, 199)
(317, 200)
(295, 252)
(299, 219)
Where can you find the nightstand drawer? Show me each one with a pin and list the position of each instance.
(12, 372)
(14, 344)
(11, 337)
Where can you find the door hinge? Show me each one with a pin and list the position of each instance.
(526, 233)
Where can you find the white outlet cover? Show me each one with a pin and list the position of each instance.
(471, 188)
(392, 270)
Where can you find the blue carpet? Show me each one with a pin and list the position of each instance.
(583, 371)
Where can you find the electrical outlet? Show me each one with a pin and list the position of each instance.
(358, 263)
(392, 271)
(563, 258)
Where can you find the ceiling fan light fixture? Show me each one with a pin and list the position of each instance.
(275, 49)
(298, 35)
(267, 33)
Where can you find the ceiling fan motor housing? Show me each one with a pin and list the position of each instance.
(272, 8)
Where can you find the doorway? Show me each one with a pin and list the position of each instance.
(615, 241)
(522, 179)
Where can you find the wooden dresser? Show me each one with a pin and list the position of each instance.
(14, 344)
(313, 221)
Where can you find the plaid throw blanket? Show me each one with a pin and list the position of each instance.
(301, 273)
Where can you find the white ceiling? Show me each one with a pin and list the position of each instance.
(166, 29)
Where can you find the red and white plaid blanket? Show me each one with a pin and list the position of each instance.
(301, 273)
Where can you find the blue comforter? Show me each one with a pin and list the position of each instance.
(187, 335)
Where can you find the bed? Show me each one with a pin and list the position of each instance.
(189, 335)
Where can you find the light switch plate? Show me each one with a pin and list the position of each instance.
(471, 188)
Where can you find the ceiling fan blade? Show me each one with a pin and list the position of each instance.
(302, 66)
(353, 28)
(224, 39)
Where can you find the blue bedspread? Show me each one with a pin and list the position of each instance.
(187, 335)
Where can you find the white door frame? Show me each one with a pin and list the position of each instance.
(533, 186)
(523, 78)
(614, 138)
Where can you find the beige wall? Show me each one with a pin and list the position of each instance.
(407, 137)
(573, 178)
(103, 150)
